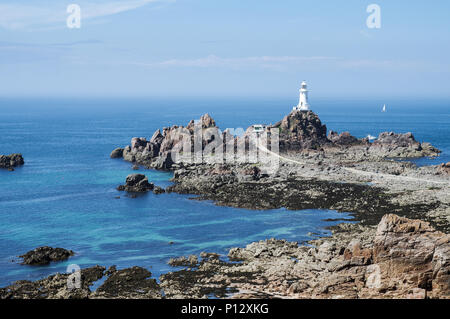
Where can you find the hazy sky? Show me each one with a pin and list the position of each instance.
(225, 48)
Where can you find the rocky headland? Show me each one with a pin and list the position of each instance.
(397, 247)
(11, 161)
(318, 171)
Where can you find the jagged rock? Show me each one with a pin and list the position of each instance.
(44, 255)
(401, 140)
(343, 139)
(117, 153)
(412, 253)
(404, 258)
(164, 161)
(136, 183)
(11, 161)
(390, 144)
(301, 130)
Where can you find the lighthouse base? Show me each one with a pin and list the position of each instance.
(301, 108)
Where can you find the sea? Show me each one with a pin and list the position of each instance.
(65, 195)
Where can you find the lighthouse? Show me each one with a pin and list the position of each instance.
(303, 104)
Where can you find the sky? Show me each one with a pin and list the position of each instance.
(218, 48)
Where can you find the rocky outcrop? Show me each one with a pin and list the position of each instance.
(117, 153)
(137, 183)
(135, 283)
(403, 258)
(156, 152)
(44, 255)
(11, 161)
(390, 144)
(301, 130)
(411, 255)
(345, 139)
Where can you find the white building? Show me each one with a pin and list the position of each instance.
(303, 104)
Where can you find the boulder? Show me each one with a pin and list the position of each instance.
(44, 255)
(136, 183)
(117, 153)
(343, 139)
(412, 254)
(11, 161)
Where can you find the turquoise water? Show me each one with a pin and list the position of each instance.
(65, 194)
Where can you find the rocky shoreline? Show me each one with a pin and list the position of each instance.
(400, 247)
(400, 258)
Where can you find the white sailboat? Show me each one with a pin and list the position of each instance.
(371, 137)
(384, 108)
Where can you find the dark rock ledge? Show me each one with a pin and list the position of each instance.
(44, 255)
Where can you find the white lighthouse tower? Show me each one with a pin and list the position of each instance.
(303, 104)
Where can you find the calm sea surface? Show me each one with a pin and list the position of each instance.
(65, 193)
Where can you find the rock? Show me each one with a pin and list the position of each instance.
(158, 190)
(53, 287)
(301, 130)
(11, 161)
(117, 153)
(390, 144)
(344, 139)
(191, 261)
(164, 161)
(404, 258)
(411, 253)
(130, 283)
(136, 183)
(44, 255)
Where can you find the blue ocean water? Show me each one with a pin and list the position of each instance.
(65, 194)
